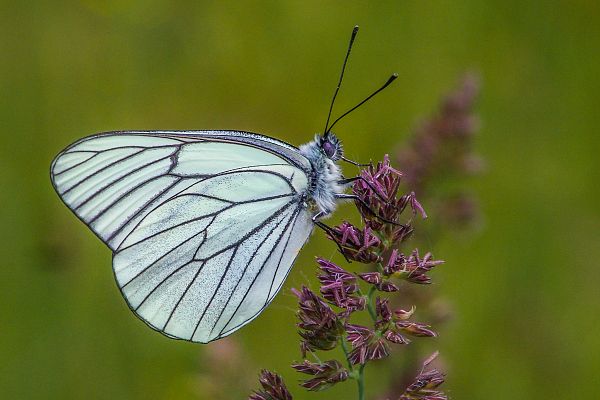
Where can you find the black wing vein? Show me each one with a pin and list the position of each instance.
(284, 231)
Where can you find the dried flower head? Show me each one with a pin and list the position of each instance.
(366, 344)
(378, 189)
(326, 319)
(338, 286)
(273, 388)
(356, 244)
(325, 374)
(320, 327)
(442, 146)
(424, 386)
(412, 268)
(415, 329)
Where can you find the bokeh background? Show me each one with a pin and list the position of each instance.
(521, 284)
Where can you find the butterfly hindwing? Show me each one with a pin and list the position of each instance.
(204, 225)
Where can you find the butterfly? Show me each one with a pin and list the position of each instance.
(204, 226)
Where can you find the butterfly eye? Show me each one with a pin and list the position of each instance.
(329, 149)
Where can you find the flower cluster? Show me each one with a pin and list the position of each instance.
(273, 388)
(441, 147)
(320, 327)
(325, 374)
(390, 327)
(412, 268)
(356, 244)
(339, 287)
(327, 319)
(425, 384)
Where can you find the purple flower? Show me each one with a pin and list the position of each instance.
(442, 146)
(384, 317)
(425, 384)
(387, 286)
(415, 329)
(334, 273)
(415, 205)
(383, 311)
(413, 268)
(394, 263)
(378, 189)
(399, 233)
(273, 388)
(325, 374)
(366, 344)
(338, 286)
(370, 277)
(356, 244)
(395, 337)
(375, 278)
(320, 327)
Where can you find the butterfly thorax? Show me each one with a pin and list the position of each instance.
(323, 154)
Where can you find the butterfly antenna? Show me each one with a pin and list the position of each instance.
(337, 89)
(386, 84)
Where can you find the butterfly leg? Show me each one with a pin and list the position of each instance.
(365, 205)
(370, 164)
(329, 230)
(346, 181)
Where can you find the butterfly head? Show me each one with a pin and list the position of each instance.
(331, 146)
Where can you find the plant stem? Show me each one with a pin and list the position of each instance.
(361, 375)
(360, 378)
(370, 303)
(361, 382)
(346, 353)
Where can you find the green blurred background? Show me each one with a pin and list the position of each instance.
(523, 286)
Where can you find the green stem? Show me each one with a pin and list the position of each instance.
(347, 354)
(358, 375)
(370, 303)
(361, 383)
(361, 375)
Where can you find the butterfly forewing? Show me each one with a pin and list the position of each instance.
(204, 225)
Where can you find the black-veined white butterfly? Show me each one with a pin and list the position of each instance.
(204, 225)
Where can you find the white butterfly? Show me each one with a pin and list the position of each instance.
(204, 225)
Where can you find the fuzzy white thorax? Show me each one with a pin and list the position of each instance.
(326, 174)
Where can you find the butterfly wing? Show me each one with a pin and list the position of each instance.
(204, 225)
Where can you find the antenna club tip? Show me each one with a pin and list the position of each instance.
(355, 28)
(391, 78)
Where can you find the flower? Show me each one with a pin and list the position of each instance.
(383, 311)
(325, 374)
(370, 277)
(338, 286)
(320, 327)
(325, 316)
(273, 388)
(356, 244)
(415, 205)
(442, 146)
(387, 286)
(412, 268)
(425, 384)
(415, 329)
(403, 315)
(378, 281)
(395, 337)
(377, 190)
(366, 344)
(392, 332)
